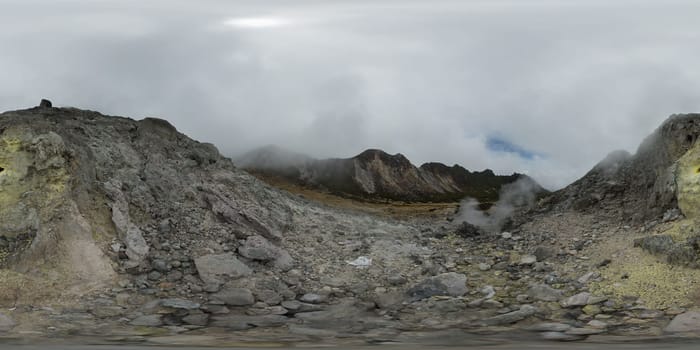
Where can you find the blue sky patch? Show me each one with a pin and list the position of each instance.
(497, 144)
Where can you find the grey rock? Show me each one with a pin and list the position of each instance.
(671, 215)
(333, 282)
(389, 300)
(240, 322)
(346, 314)
(312, 332)
(284, 261)
(277, 310)
(524, 312)
(234, 297)
(160, 266)
(154, 275)
(476, 303)
(179, 304)
(396, 280)
(215, 309)
(491, 304)
(196, 319)
(584, 331)
(44, 103)
(269, 297)
(215, 268)
(656, 244)
(151, 307)
(107, 311)
(549, 327)
(528, 260)
(651, 314)
(597, 324)
(544, 252)
(148, 321)
(580, 299)
(258, 248)
(294, 306)
(136, 246)
(6, 323)
(174, 276)
(241, 217)
(588, 277)
(543, 292)
(561, 336)
(466, 230)
(488, 292)
(523, 298)
(447, 284)
(313, 298)
(500, 266)
(212, 287)
(685, 323)
(595, 299)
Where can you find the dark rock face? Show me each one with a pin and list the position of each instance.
(677, 253)
(45, 104)
(466, 229)
(377, 175)
(451, 283)
(636, 187)
(170, 208)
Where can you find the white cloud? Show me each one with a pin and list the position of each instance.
(256, 22)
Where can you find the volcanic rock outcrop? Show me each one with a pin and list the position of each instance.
(658, 184)
(98, 195)
(645, 185)
(377, 175)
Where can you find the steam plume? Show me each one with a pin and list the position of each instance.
(519, 194)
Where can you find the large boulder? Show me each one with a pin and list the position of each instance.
(447, 284)
(259, 248)
(685, 323)
(217, 268)
(543, 292)
(234, 297)
(524, 312)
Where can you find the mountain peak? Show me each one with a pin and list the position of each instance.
(397, 159)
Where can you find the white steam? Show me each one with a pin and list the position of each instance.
(519, 194)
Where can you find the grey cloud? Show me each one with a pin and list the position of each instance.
(568, 80)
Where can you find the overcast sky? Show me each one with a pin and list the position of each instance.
(547, 88)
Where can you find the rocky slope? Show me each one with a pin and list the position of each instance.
(129, 229)
(656, 185)
(642, 186)
(377, 175)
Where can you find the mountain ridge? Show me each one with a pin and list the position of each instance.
(376, 175)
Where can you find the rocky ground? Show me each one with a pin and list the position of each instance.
(141, 233)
